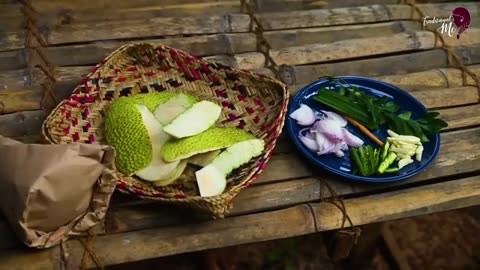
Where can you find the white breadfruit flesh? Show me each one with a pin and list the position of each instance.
(204, 159)
(173, 176)
(157, 169)
(166, 112)
(198, 118)
(126, 132)
(212, 179)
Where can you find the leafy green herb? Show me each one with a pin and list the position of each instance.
(367, 110)
(421, 128)
(373, 112)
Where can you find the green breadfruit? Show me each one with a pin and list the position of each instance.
(152, 100)
(175, 174)
(212, 179)
(195, 120)
(172, 108)
(126, 130)
(212, 139)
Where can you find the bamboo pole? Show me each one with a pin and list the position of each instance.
(286, 5)
(162, 26)
(215, 44)
(289, 222)
(379, 66)
(318, 35)
(16, 103)
(353, 48)
(441, 78)
(17, 96)
(380, 35)
(356, 15)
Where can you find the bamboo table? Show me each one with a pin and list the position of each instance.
(375, 38)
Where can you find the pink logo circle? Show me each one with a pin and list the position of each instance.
(461, 19)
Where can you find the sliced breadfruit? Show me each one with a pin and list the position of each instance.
(212, 179)
(203, 159)
(172, 108)
(173, 176)
(214, 138)
(158, 168)
(198, 118)
(237, 155)
(125, 129)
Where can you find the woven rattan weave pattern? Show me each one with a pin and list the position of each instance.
(249, 101)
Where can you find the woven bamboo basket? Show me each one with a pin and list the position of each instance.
(250, 101)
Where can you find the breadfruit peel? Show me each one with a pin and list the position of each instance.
(212, 179)
(128, 128)
(212, 139)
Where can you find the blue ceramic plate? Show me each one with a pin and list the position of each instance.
(341, 166)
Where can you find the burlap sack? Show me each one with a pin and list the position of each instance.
(49, 193)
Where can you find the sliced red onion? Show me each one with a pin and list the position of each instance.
(335, 116)
(308, 140)
(331, 129)
(310, 134)
(304, 115)
(339, 147)
(319, 116)
(351, 139)
(325, 145)
(322, 142)
(339, 153)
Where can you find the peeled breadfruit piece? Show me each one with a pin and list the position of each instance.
(212, 179)
(152, 100)
(203, 159)
(158, 168)
(137, 136)
(172, 108)
(198, 118)
(237, 155)
(212, 139)
(173, 176)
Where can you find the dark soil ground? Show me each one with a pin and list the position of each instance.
(441, 241)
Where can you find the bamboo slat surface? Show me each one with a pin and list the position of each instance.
(373, 38)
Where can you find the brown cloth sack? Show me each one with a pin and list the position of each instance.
(49, 193)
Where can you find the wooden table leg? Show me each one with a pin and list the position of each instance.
(359, 255)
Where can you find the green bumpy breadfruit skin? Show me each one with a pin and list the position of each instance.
(212, 139)
(125, 131)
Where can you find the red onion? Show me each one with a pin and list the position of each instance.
(330, 128)
(304, 115)
(308, 140)
(336, 117)
(325, 145)
(351, 139)
(327, 135)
